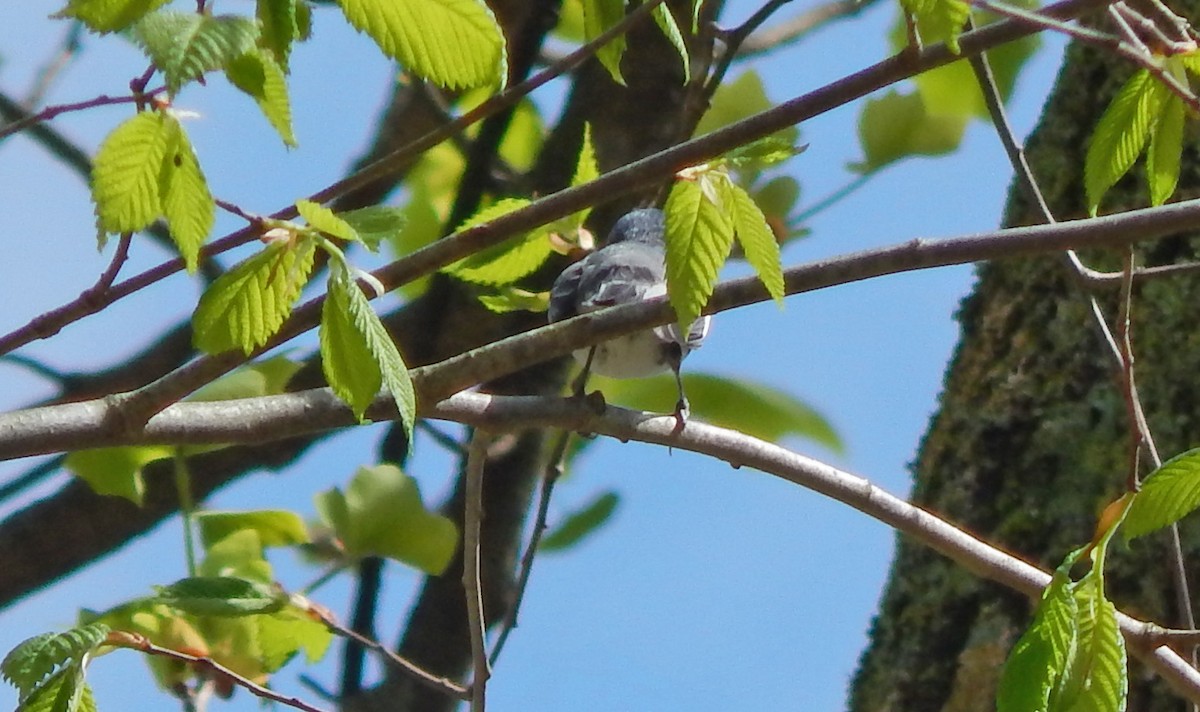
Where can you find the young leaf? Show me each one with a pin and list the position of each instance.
(357, 353)
(757, 241)
(749, 406)
(262, 78)
(1099, 678)
(896, 126)
(598, 16)
(185, 45)
(220, 596)
(284, 633)
(275, 527)
(323, 219)
(1167, 495)
(375, 223)
(510, 299)
(1166, 147)
(109, 15)
(737, 100)
(699, 238)
(280, 24)
(65, 691)
(1121, 134)
(126, 173)
(581, 523)
(239, 554)
(116, 470)
(507, 262)
(261, 378)
(454, 43)
(186, 203)
(32, 661)
(939, 20)
(1035, 668)
(381, 513)
(666, 22)
(244, 307)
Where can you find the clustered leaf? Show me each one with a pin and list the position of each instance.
(454, 43)
(939, 20)
(109, 15)
(32, 664)
(146, 168)
(509, 261)
(259, 75)
(186, 45)
(1121, 134)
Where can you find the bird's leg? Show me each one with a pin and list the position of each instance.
(594, 400)
(682, 408)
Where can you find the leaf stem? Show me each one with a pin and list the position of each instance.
(187, 507)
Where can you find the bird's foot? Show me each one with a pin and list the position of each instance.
(683, 411)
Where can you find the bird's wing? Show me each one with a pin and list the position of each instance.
(620, 274)
(564, 295)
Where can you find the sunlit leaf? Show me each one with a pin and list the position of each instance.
(31, 662)
(1099, 677)
(109, 15)
(275, 527)
(186, 45)
(598, 16)
(1167, 495)
(261, 378)
(324, 219)
(186, 202)
(738, 99)
(454, 43)
(581, 523)
(666, 22)
(507, 262)
(1166, 148)
(510, 299)
(375, 223)
(1121, 134)
(896, 126)
(239, 554)
(116, 470)
(757, 241)
(284, 633)
(699, 238)
(125, 174)
(220, 596)
(261, 77)
(381, 514)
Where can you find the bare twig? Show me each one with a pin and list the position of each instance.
(135, 641)
(54, 67)
(795, 28)
(472, 584)
(51, 112)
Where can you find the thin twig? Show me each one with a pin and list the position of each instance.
(54, 67)
(554, 470)
(135, 641)
(472, 584)
(795, 28)
(733, 40)
(51, 112)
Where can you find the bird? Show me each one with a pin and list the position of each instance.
(630, 268)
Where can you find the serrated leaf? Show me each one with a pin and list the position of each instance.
(1035, 668)
(275, 527)
(375, 223)
(598, 16)
(939, 20)
(1099, 677)
(65, 691)
(666, 22)
(284, 633)
(757, 241)
(1166, 148)
(699, 239)
(324, 219)
(186, 203)
(116, 470)
(31, 662)
(263, 79)
(581, 523)
(381, 514)
(357, 353)
(764, 152)
(109, 15)
(279, 25)
(1121, 134)
(454, 43)
(507, 262)
(186, 45)
(742, 404)
(1169, 494)
(896, 126)
(220, 596)
(586, 167)
(244, 307)
(125, 174)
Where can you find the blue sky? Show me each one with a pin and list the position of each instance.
(712, 588)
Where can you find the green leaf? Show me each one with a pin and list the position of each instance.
(322, 218)
(281, 23)
(262, 378)
(375, 223)
(220, 596)
(1166, 147)
(1099, 678)
(740, 99)
(1169, 494)
(275, 527)
(65, 691)
(666, 22)
(1121, 134)
(239, 554)
(510, 299)
(185, 45)
(454, 43)
(699, 239)
(116, 470)
(741, 404)
(598, 16)
(507, 262)
(757, 241)
(262, 78)
(581, 523)
(284, 633)
(186, 203)
(381, 514)
(762, 153)
(897, 126)
(31, 662)
(357, 353)
(939, 20)
(126, 173)
(1035, 668)
(244, 307)
(109, 15)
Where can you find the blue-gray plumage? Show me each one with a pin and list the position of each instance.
(631, 267)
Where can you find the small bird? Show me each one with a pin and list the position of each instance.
(631, 267)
